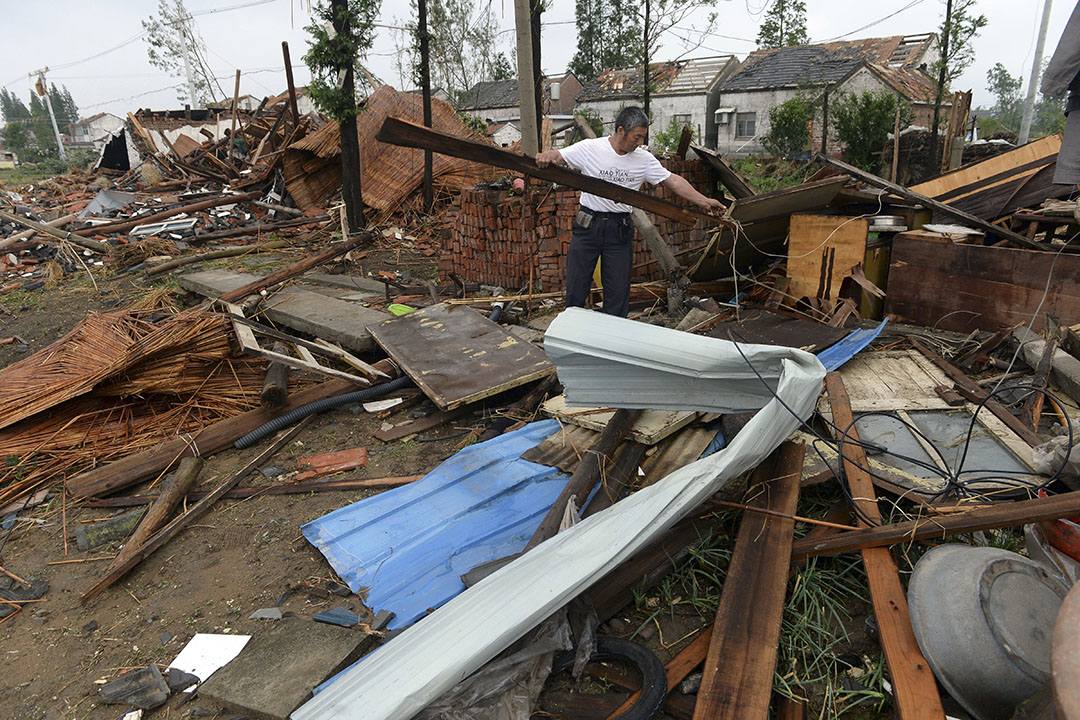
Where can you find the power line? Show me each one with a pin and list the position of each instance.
(911, 4)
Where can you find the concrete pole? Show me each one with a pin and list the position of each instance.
(181, 25)
(526, 92)
(52, 116)
(1036, 73)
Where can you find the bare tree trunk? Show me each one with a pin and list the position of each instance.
(934, 160)
(350, 143)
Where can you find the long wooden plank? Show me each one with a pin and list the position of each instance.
(739, 669)
(125, 225)
(914, 688)
(838, 243)
(1006, 514)
(907, 194)
(731, 179)
(167, 533)
(301, 266)
(401, 132)
(984, 174)
(973, 392)
(962, 287)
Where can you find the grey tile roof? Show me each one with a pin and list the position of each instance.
(825, 63)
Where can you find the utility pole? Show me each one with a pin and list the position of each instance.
(181, 27)
(645, 69)
(538, 75)
(526, 89)
(425, 89)
(1036, 72)
(43, 91)
(947, 27)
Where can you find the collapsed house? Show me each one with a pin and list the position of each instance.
(578, 453)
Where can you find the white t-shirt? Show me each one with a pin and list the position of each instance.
(596, 158)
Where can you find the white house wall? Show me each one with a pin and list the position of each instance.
(663, 108)
(755, 101)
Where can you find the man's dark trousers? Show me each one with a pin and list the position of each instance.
(609, 237)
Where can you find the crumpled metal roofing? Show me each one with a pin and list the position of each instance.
(409, 546)
(666, 78)
(454, 641)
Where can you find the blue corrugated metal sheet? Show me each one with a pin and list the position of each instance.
(410, 545)
(855, 342)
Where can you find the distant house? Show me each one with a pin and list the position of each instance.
(436, 94)
(94, 130)
(497, 100)
(682, 90)
(770, 77)
(505, 134)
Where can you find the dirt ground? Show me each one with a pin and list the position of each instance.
(238, 558)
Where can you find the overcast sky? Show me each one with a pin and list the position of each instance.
(97, 51)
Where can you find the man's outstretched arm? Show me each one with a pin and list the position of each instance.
(679, 185)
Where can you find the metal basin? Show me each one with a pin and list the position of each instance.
(983, 617)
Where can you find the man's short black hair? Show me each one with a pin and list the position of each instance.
(630, 118)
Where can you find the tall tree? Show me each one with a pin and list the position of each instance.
(41, 126)
(955, 54)
(462, 37)
(783, 25)
(342, 33)
(1008, 104)
(12, 107)
(64, 106)
(170, 38)
(609, 35)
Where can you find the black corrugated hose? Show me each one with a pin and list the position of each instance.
(293, 416)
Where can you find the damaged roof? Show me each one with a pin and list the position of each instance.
(667, 78)
(500, 93)
(828, 62)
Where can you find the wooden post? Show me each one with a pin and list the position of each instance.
(289, 80)
(275, 389)
(526, 98)
(425, 88)
(235, 102)
(914, 688)
(825, 124)
(896, 141)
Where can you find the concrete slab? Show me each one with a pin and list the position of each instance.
(348, 282)
(339, 321)
(277, 669)
(214, 283)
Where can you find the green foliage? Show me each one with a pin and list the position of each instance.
(783, 25)
(789, 127)
(1048, 116)
(461, 47)
(15, 136)
(501, 69)
(1008, 103)
(41, 126)
(960, 29)
(342, 33)
(863, 122)
(667, 140)
(593, 118)
(64, 106)
(768, 174)
(476, 124)
(169, 35)
(609, 35)
(12, 107)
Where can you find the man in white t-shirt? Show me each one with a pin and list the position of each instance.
(603, 228)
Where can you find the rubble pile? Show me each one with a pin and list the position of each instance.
(490, 479)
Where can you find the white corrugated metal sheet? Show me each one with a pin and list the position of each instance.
(597, 355)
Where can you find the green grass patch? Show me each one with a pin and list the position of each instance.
(768, 174)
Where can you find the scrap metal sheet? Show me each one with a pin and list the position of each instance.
(595, 353)
(458, 356)
(410, 546)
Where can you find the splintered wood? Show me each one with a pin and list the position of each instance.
(116, 384)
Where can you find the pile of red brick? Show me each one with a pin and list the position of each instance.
(487, 243)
